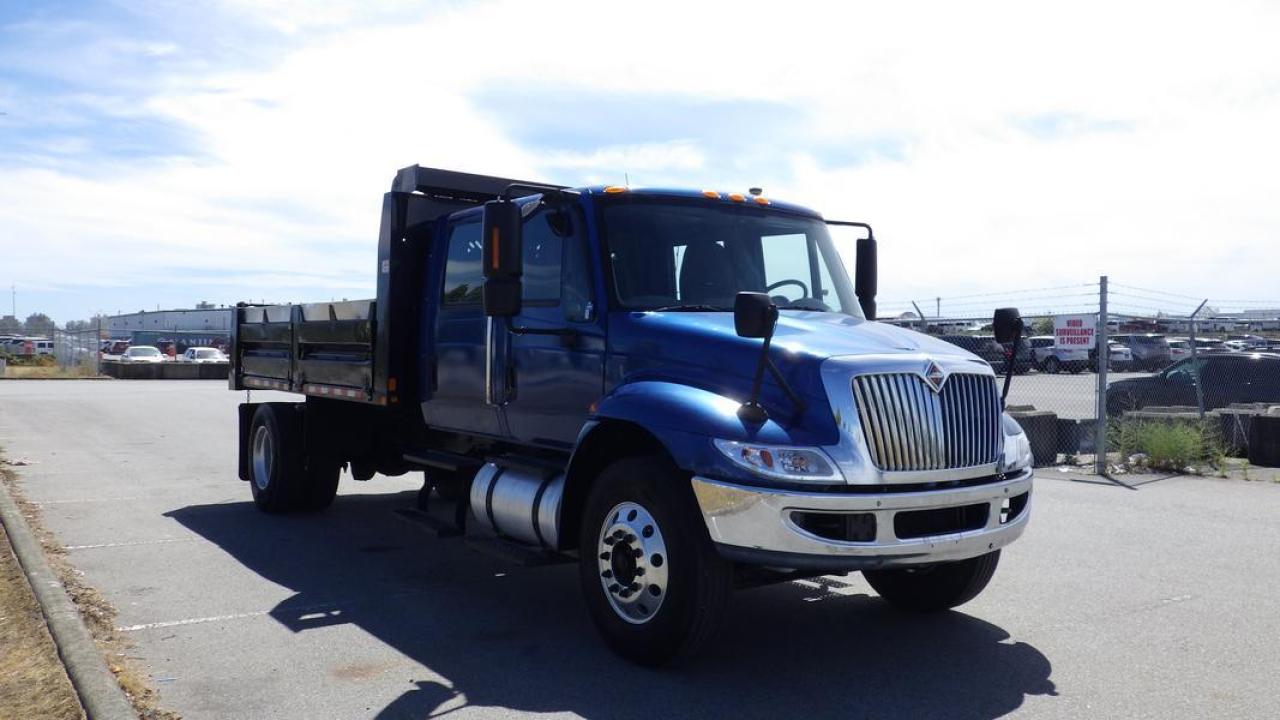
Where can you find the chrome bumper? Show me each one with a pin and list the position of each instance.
(755, 524)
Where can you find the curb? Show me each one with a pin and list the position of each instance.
(100, 695)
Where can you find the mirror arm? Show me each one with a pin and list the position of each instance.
(1008, 370)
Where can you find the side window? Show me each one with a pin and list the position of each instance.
(576, 288)
(543, 251)
(463, 275)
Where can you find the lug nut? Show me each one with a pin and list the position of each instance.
(639, 552)
(615, 588)
(604, 556)
(639, 571)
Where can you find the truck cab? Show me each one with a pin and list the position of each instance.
(682, 391)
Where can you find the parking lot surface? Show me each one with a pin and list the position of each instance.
(1156, 602)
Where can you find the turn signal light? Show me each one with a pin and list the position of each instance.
(615, 189)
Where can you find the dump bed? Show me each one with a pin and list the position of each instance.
(324, 349)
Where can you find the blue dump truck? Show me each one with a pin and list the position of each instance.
(680, 391)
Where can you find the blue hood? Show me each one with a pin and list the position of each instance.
(709, 339)
(704, 350)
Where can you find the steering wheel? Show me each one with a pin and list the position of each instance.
(780, 283)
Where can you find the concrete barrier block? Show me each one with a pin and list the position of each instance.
(1041, 428)
(1264, 441)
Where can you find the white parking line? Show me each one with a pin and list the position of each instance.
(42, 503)
(96, 546)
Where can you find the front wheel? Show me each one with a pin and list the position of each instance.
(934, 588)
(655, 586)
(1052, 366)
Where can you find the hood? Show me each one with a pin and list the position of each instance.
(817, 335)
(686, 345)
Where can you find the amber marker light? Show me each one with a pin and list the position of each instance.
(615, 189)
(737, 197)
(711, 194)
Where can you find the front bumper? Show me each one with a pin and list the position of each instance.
(758, 525)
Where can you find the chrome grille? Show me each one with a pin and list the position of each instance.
(910, 427)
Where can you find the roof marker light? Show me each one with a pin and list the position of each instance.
(737, 197)
(762, 200)
(615, 189)
(711, 194)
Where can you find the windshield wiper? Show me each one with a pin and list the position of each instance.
(690, 308)
(814, 306)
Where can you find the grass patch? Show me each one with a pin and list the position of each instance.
(1167, 446)
(33, 683)
(49, 372)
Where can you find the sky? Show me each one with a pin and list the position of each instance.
(157, 154)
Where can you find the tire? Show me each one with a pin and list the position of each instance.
(276, 471)
(1120, 403)
(647, 505)
(320, 485)
(1052, 366)
(937, 587)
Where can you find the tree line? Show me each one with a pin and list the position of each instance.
(41, 325)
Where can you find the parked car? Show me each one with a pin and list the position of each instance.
(1209, 345)
(143, 354)
(1224, 379)
(1150, 351)
(1250, 342)
(1236, 346)
(1050, 358)
(996, 355)
(1179, 348)
(1120, 356)
(203, 355)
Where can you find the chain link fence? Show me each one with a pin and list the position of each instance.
(1146, 375)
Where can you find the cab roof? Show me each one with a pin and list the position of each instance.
(709, 195)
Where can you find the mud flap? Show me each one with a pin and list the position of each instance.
(245, 412)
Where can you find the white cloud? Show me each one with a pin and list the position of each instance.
(1038, 147)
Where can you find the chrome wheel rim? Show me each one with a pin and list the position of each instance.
(632, 562)
(264, 457)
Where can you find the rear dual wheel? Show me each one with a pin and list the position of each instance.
(282, 477)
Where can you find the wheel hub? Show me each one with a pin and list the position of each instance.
(632, 560)
(263, 457)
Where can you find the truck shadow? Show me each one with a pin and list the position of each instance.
(519, 638)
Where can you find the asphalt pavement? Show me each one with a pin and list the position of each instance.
(1155, 602)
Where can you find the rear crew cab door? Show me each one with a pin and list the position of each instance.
(457, 401)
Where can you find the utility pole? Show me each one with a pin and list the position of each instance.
(13, 292)
(938, 308)
(1104, 359)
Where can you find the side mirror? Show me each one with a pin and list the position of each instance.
(754, 315)
(865, 276)
(503, 258)
(1007, 325)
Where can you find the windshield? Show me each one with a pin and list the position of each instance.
(673, 255)
(145, 351)
(205, 354)
(1149, 340)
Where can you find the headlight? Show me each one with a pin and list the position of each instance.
(794, 464)
(1017, 448)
